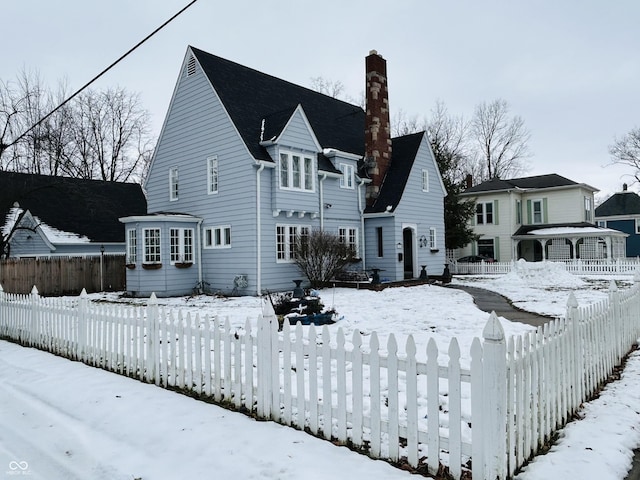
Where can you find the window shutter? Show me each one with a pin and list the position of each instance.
(529, 212)
(545, 215)
(496, 248)
(496, 213)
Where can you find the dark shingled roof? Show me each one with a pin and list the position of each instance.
(403, 154)
(623, 203)
(250, 97)
(539, 181)
(86, 207)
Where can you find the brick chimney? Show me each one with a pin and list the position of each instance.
(377, 123)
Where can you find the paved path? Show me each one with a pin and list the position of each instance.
(488, 301)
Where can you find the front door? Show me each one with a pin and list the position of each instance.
(407, 252)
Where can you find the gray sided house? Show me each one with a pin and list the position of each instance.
(43, 216)
(621, 211)
(246, 162)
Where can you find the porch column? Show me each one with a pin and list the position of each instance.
(574, 249)
(543, 243)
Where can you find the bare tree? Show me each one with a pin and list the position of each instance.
(320, 255)
(626, 151)
(111, 133)
(11, 108)
(501, 140)
(332, 88)
(405, 124)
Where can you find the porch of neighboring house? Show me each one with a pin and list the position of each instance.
(555, 244)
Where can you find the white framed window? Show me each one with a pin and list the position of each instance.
(152, 245)
(348, 176)
(486, 247)
(217, 237)
(212, 174)
(297, 172)
(181, 245)
(425, 180)
(349, 236)
(132, 245)
(286, 237)
(518, 212)
(433, 241)
(173, 183)
(587, 209)
(484, 213)
(536, 211)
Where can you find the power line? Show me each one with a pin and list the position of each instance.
(2, 147)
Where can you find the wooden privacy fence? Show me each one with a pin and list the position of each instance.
(63, 275)
(484, 414)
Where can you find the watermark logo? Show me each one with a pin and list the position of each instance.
(18, 468)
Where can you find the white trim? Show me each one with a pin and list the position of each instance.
(168, 217)
(174, 183)
(333, 152)
(348, 179)
(213, 245)
(289, 154)
(210, 191)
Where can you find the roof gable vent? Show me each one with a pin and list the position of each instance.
(191, 66)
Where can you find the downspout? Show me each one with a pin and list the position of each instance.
(199, 230)
(361, 210)
(322, 179)
(258, 231)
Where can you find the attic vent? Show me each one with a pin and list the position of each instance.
(191, 66)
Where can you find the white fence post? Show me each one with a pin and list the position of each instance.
(495, 399)
(153, 327)
(33, 328)
(83, 310)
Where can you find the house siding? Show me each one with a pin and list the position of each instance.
(425, 210)
(633, 240)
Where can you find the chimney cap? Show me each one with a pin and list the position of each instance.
(374, 52)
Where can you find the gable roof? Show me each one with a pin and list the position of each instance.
(622, 203)
(524, 183)
(260, 105)
(88, 208)
(403, 154)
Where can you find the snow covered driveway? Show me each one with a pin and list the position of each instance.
(64, 420)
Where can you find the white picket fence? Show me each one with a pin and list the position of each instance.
(578, 267)
(486, 420)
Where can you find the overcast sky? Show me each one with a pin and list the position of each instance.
(570, 68)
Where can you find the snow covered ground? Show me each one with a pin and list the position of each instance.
(64, 420)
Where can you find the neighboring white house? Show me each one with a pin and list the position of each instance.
(247, 162)
(544, 217)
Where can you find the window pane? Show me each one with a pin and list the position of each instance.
(213, 174)
(174, 239)
(284, 170)
(479, 214)
(188, 245)
(280, 243)
(227, 236)
(296, 168)
(308, 171)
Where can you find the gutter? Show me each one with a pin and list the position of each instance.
(361, 210)
(322, 179)
(258, 230)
